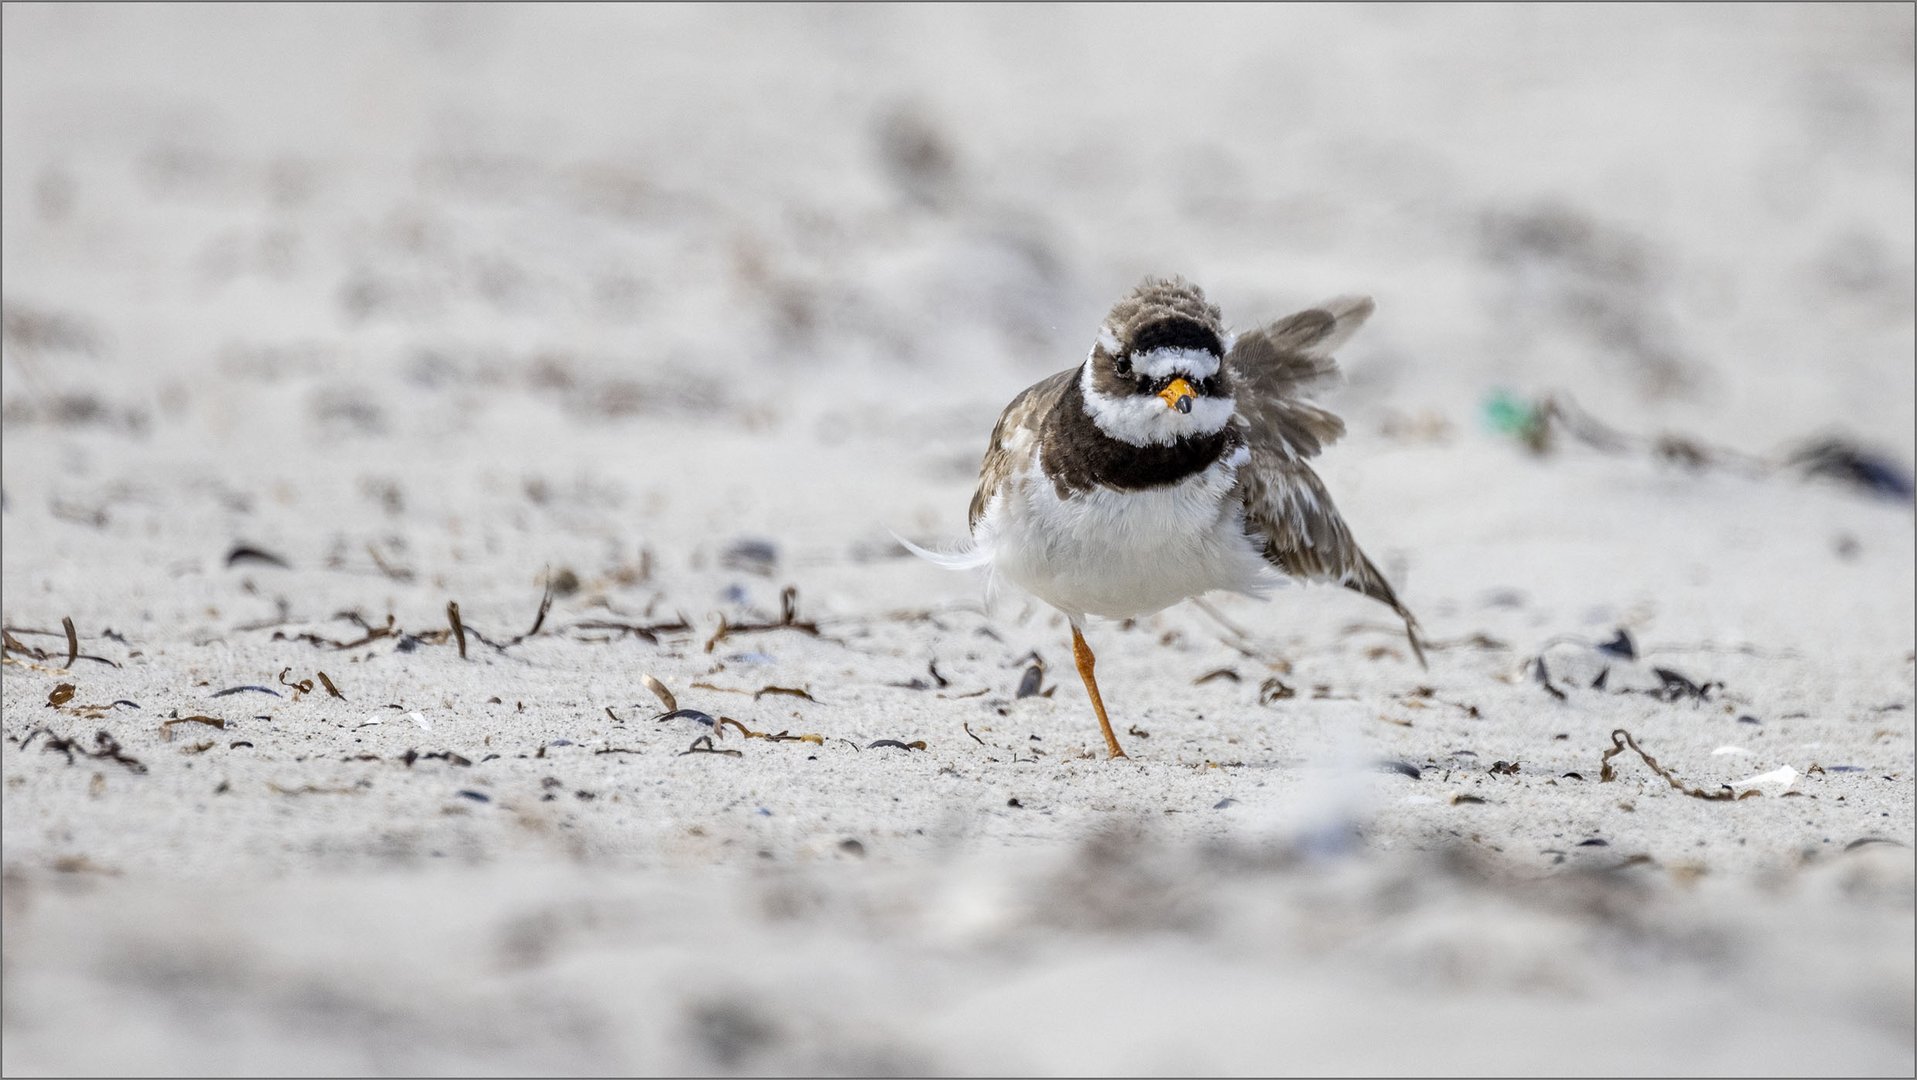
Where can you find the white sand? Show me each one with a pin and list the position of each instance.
(492, 291)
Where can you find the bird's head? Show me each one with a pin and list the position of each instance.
(1156, 374)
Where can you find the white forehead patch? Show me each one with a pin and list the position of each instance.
(1144, 420)
(1162, 363)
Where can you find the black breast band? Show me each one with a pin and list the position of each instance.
(1079, 455)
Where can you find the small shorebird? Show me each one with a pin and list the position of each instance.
(1172, 462)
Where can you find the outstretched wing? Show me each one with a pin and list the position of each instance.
(1014, 439)
(1288, 512)
(1273, 367)
(1290, 515)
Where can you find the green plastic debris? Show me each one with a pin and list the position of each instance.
(1528, 422)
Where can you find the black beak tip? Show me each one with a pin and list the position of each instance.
(1184, 404)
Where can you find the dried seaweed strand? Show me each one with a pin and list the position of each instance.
(703, 745)
(782, 736)
(373, 633)
(166, 726)
(14, 644)
(539, 619)
(106, 747)
(459, 630)
(1622, 738)
(1679, 449)
(789, 691)
(788, 620)
(650, 633)
(394, 573)
(311, 789)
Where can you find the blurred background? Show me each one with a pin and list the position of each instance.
(688, 303)
(1680, 213)
(489, 263)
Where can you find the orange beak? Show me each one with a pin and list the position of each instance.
(1177, 396)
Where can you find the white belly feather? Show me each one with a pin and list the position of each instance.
(1121, 554)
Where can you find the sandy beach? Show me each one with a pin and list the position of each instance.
(392, 397)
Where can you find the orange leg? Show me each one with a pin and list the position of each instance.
(1082, 653)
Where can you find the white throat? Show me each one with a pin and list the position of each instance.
(1144, 420)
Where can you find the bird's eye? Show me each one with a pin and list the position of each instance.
(1210, 387)
(1123, 365)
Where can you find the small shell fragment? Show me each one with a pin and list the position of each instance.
(1783, 779)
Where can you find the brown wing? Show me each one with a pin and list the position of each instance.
(1290, 515)
(1015, 438)
(1273, 367)
(1288, 512)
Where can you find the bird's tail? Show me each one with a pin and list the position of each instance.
(968, 556)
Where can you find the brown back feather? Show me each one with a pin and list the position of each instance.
(1025, 413)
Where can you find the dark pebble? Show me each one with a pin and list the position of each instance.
(1621, 645)
(1029, 685)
